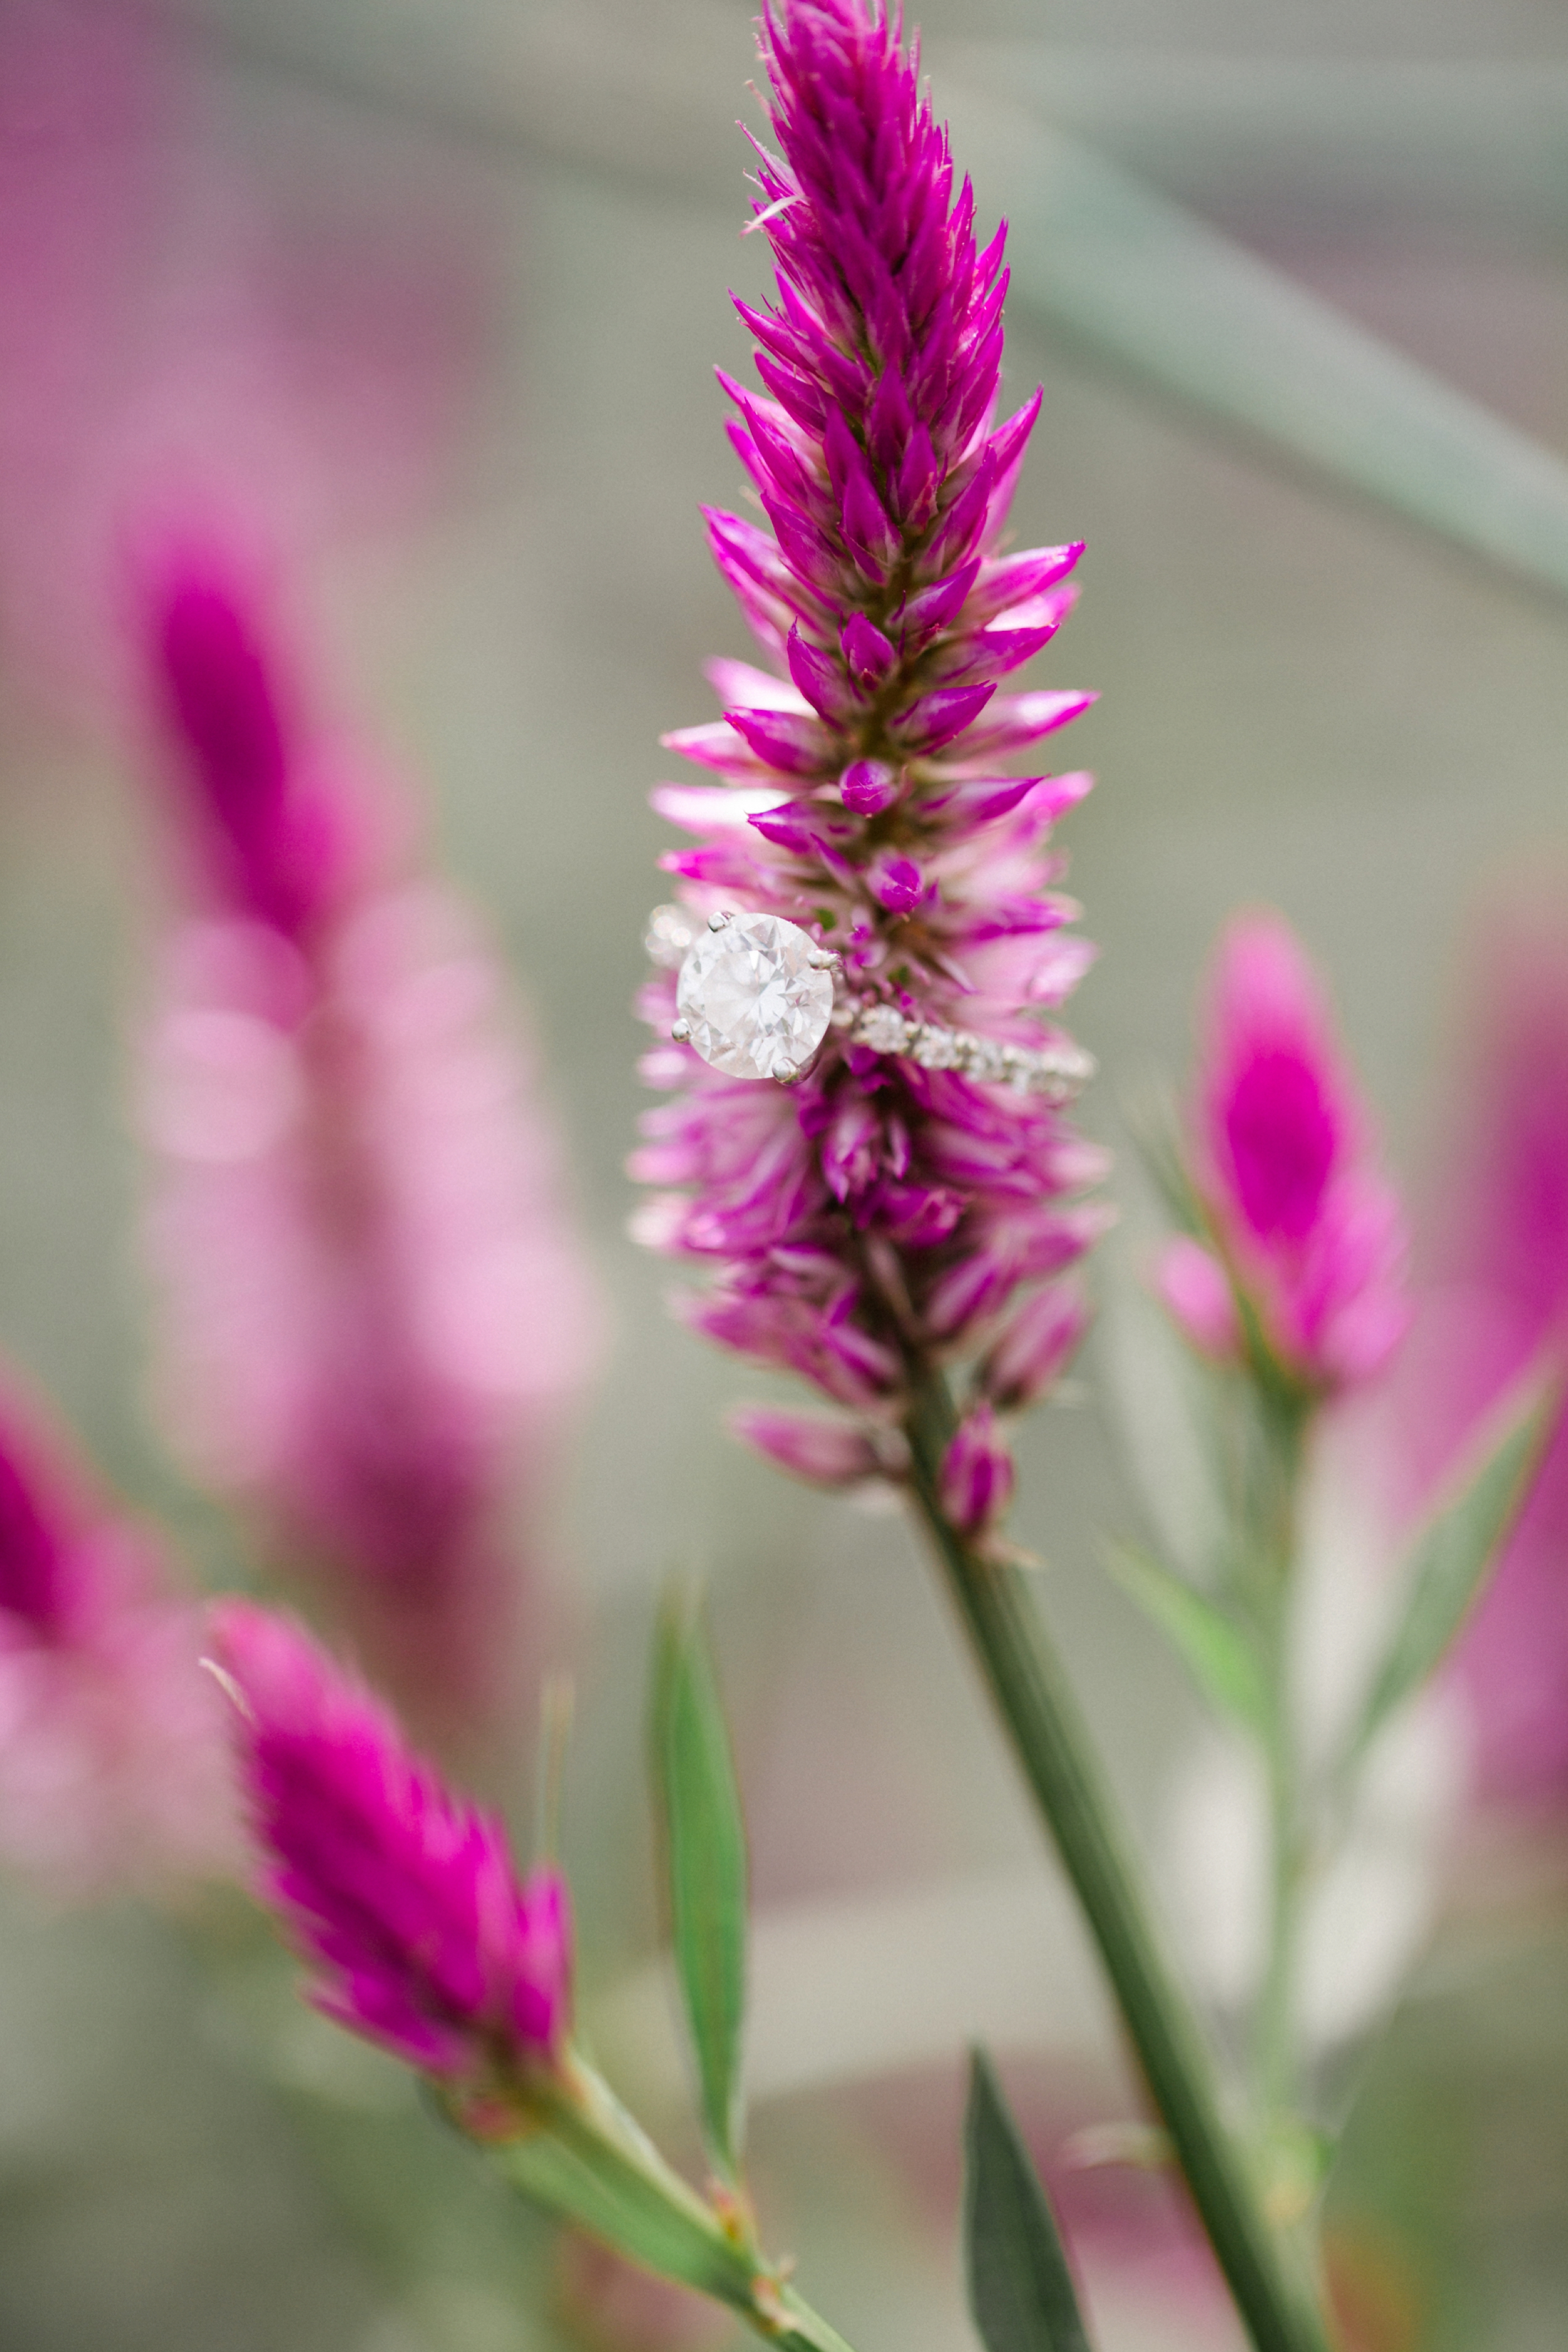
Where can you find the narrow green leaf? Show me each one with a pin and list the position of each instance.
(1134, 280)
(1213, 1647)
(1460, 143)
(705, 1853)
(1449, 1561)
(1140, 285)
(1020, 2289)
(589, 2162)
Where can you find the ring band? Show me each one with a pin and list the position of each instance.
(1056, 1072)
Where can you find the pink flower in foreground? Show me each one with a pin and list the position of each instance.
(111, 1765)
(902, 1204)
(1493, 1301)
(402, 1897)
(1307, 1233)
(377, 1314)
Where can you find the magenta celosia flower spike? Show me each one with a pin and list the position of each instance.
(1308, 1236)
(898, 950)
(112, 1767)
(378, 1316)
(401, 1896)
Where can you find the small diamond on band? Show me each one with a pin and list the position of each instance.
(1057, 1071)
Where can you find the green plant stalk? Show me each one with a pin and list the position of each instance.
(1270, 2284)
(586, 2160)
(1274, 2035)
(1269, 1545)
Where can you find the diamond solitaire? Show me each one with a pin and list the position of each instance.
(755, 996)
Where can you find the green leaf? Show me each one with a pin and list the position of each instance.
(1213, 1647)
(657, 2221)
(1020, 2289)
(1449, 1561)
(1133, 279)
(1137, 283)
(1415, 141)
(705, 1854)
(586, 2160)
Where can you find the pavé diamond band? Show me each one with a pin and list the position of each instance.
(757, 995)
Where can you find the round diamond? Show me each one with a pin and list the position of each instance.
(754, 1003)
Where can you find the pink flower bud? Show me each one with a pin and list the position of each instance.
(1196, 1292)
(832, 1454)
(869, 654)
(1312, 1230)
(976, 1483)
(868, 786)
(1034, 1348)
(898, 882)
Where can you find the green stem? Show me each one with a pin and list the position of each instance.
(587, 2161)
(1273, 2044)
(1271, 1544)
(1052, 1743)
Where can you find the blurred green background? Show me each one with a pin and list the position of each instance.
(1351, 706)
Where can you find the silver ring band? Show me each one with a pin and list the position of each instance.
(1056, 1072)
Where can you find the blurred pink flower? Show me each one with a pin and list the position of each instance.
(1493, 1300)
(111, 1765)
(377, 1314)
(402, 1896)
(285, 325)
(1310, 1234)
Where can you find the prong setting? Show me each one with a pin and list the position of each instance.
(681, 1033)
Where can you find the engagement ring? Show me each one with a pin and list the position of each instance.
(757, 995)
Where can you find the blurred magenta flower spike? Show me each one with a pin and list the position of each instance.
(1494, 1301)
(268, 829)
(377, 1315)
(904, 1197)
(111, 1767)
(402, 1898)
(1307, 1237)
